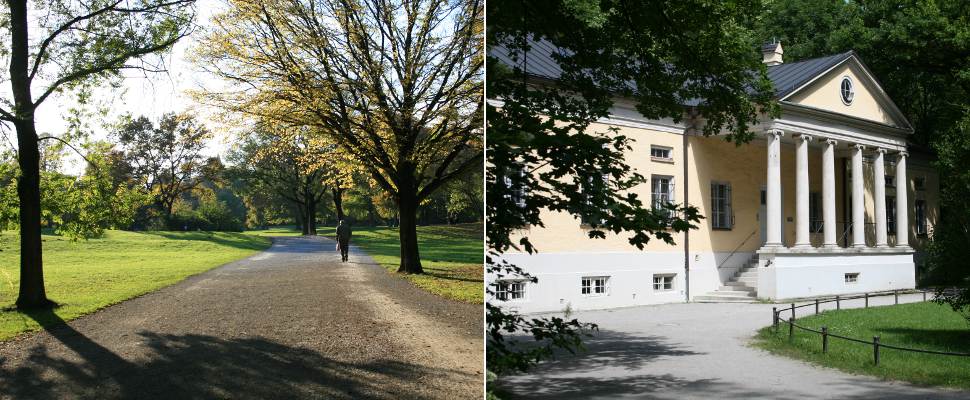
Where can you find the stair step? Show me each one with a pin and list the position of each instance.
(724, 299)
(746, 273)
(730, 287)
(749, 280)
(731, 293)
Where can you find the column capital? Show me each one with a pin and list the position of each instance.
(857, 146)
(777, 133)
(802, 136)
(881, 150)
(826, 140)
(903, 153)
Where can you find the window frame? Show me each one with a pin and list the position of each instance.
(816, 223)
(671, 192)
(669, 150)
(502, 289)
(589, 289)
(846, 94)
(922, 227)
(665, 279)
(890, 215)
(722, 210)
(851, 278)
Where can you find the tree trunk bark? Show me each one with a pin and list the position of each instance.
(32, 294)
(311, 212)
(407, 204)
(338, 202)
(301, 219)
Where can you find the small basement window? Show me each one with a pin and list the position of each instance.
(661, 153)
(663, 282)
(510, 290)
(595, 285)
(851, 277)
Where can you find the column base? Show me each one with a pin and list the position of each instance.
(830, 246)
(802, 246)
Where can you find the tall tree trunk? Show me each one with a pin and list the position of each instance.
(407, 204)
(32, 294)
(301, 219)
(338, 202)
(311, 212)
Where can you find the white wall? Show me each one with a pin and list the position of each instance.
(630, 282)
(795, 275)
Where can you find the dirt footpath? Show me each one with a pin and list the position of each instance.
(291, 322)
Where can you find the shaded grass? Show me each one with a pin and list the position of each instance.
(88, 275)
(450, 254)
(928, 326)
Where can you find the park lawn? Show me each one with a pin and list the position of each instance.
(451, 256)
(88, 275)
(275, 231)
(928, 326)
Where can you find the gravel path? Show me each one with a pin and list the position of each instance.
(698, 351)
(291, 322)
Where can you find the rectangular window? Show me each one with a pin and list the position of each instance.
(891, 215)
(660, 153)
(662, 193)
(591, 188)
(595, 285)
(890, 181)
(663, 282)
(510, 290)
(515, 182)
(851, 277)
(721, 217)
(919, 182)
(921, 217)
(815, 212)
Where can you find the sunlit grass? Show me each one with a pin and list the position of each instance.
(927, 326)
(451, 256)
(87, 275)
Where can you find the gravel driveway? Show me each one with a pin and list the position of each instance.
(291, 322)
(698, 351)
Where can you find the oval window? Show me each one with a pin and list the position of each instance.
(847, 92)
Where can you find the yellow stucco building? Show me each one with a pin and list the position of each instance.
(828, 199)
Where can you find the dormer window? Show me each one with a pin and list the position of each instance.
(847, 93)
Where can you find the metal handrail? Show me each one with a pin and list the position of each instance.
(825, 333)
(737, 248)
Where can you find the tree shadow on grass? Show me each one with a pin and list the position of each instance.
(236, 240)
(953, 340)
(199, 367)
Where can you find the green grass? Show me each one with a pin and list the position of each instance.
(928, 326)
(450, 254)
(275, 231)
(88, 275)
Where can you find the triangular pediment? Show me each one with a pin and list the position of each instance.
(867, 101)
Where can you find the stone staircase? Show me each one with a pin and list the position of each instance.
(741, 288)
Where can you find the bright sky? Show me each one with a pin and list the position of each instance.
(151, 96)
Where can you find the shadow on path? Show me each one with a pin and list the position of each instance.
(198, 367)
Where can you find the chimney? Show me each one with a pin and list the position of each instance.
(772, 53)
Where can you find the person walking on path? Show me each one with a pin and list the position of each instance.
(343, 239)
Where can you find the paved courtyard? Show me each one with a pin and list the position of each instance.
(698, 351)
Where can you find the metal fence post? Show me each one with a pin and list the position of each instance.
(924, 295)
(816, 306)
(791, 328)
(867, 299)
(875, 349)
(896, 295)
(793, 310)
(774, 318)
(838, 305)
(825, 339)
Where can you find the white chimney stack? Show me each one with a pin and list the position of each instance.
(772, 53)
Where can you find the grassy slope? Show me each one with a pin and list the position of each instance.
(85, 276)
(927, 326)
(450, 254)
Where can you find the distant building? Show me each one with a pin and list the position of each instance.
(827, 200)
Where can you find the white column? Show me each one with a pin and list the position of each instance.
(902, 205)
(858, 198)
(879, 175)
(773, 192)
(801, 191)
(828, 194)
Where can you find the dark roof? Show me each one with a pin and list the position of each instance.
(786, 77)
(790, 76)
